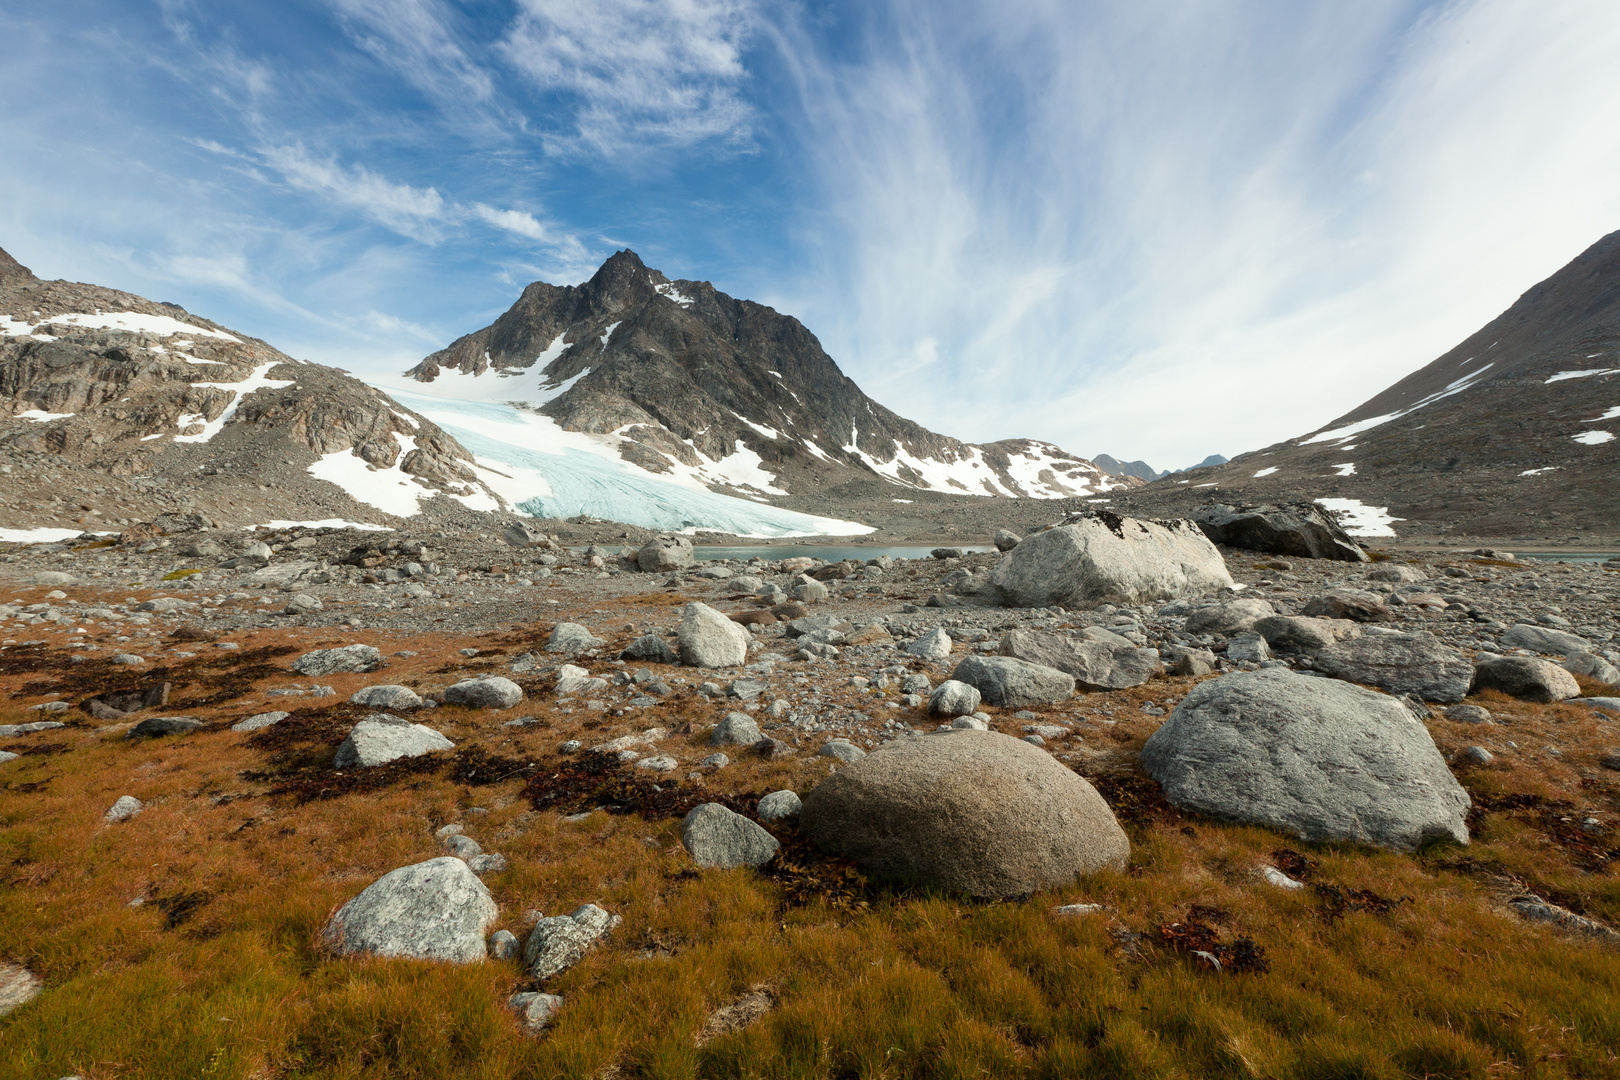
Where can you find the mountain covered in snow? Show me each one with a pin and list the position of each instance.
(680, 381)
(1513, 433)
(116, 409)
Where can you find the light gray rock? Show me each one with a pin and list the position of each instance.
(18, 986)
(1593, 667)
(576, 680)
(1468, 714)
(521, 534)
(1092, 559)
(125, 808)
(715, 761)
(571, 639)
(917, 683)
(744, 585)
(1005, 681)
(1230, 618)
(484, 692)
(974, 722)
(156, 726)
(11, 731)
(778, 805)
(1302, 634)
(1527, 678)
(1250, 647)
(387, 697)
(7, 755)
(260, 720)
(302, 604)
(461, 845)
(934, 645)
(736, 729)
(1397, 572)
(535, 1009)
(1545, 639)
(665, 552)
(841, 749)
(380, 738)
(953, 698)
(972, 812)
(1478, 755)
(1416, 663)
(810, 592)
(433, 910)
(52, 577)
(352, 658)
(706, 638)
(649, 649)
(1111, 663)
(1313, 758)
(716, 837)
(490, 862)
(1006, 540)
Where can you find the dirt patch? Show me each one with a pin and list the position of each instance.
(738, 1013)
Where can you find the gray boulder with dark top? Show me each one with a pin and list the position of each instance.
(1005, 681)
(1301, 529)
(1095, 665)
(1416, 663)
(1095, 558)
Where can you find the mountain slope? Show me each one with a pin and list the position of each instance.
(1513, 433)
(116, 408)
(682, 379)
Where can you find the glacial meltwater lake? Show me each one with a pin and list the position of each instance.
(828, 552)
(1567, 556)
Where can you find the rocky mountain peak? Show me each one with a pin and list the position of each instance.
(13, 272)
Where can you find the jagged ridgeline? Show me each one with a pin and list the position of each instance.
(690, 381)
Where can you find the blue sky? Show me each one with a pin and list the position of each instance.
(1154, 229)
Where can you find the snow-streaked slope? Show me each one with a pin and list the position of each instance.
(543, 470)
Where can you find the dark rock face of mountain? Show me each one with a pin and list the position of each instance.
(104, 390)
(684, 373)
(1515, 432)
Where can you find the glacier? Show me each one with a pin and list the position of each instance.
(545, 471)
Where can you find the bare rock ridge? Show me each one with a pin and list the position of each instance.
(1516, 431)
(688, 374)
(119, 407)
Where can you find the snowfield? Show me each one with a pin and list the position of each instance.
(1358, 518)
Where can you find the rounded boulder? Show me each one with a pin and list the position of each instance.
(973, 812)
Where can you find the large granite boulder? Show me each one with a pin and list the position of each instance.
(706, 638)
(1314, 758)
(1098, 557)
(434, 910)
(1526, 677)
(973, 812)
(1095, 665)
(1003, 680)
(1300, 529)
(1416, 663)
(665, 552)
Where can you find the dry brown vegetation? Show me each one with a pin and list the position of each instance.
(1385, 965)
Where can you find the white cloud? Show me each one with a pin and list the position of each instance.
(641, 71)
(410, 211)
(418, 39)
(1162, 231)
(518, 222)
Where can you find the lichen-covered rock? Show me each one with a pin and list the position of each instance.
(484, 692)
(350, 658)
(380, 738)
(433, 910)
(558, 943)
(718, 838)
(707, 638)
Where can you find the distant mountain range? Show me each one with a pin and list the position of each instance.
(1513, 433)
(1143, 471)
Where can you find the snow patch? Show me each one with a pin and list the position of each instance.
(255, 381)
(1267, 471)
(1350, 430)
(40, 416)
(902, 500)
(1594, 438)
(1359, 519)
(390, 490)
(1612, 414)
(40, 536)
(769, 433)
(137, 323)
(157, 435)
(1348, 468)
(609, 333)
(669, 290)
(1564, 376)
(1538, 472)
(324, 523)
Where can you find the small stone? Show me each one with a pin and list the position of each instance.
(260, 720)
(970, 723)
(1034, 740)
(462, 846)
(1069, 911)
(534, 1009)
(1274, 876)
(163, 725)
(381, 738)
(715, 761)
(433, 910)
(490, 862)
(841, 749)
(1478, 755)
(485, 692)
(778, 805)
(737, 729)
(934, 645)
(953, 698)
(572, 638)
(1468, 714)
(503, 945)
(660, 763)
(571, 746)
(125, 808)
(18, 986)
(387, 697)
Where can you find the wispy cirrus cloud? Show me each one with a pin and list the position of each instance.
(422, 41)
(638, 73)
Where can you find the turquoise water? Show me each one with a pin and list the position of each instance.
(829, 552)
